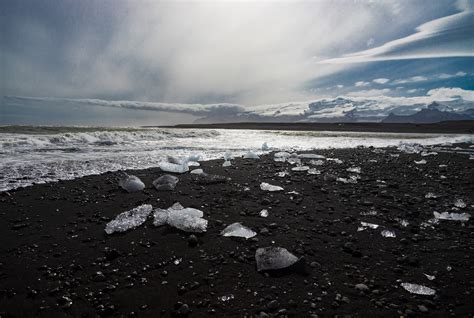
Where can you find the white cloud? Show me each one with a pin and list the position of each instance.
(361, 84)
(381, 80)
(450, 36)
(370, 92)
(447, 76)
(449, 93)
(413, 79)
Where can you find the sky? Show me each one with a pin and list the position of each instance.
(165, 62)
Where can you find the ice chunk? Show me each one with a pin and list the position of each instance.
(238, 230)
(354, 169)
(452, 216)
(294, 160)
(410, 147)
(429, 277)
(402, 222)
(185, 219)
(129, 219)
(265, 146)
(131, 183)
(226, 298)
(418, 289)
(227, 163)
(197, 171)
(300, 168)
(314, 171)
(165, 182)
(228, 156)
(251, 155)
(369, 225)
(193, 164)
(459, 203)
(282, 174)
(316, 162)
(430, 195)
(268, 187)
(281, 156)
(194, 158)
(387, 233)
(351, 179)
(426, 154)
(311, 156)
(271, 258)
(264, 213)
(173, 167)
(338, 161)
(421, 162)
(174, 160)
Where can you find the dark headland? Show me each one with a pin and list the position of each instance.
(454, 127)
(57, 261)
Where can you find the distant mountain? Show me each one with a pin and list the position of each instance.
(430, 115)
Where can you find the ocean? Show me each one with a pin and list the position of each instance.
(39, 154)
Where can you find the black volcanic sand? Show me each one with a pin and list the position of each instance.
(450, 127)
(54, 249)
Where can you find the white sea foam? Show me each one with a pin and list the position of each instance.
(38, 157)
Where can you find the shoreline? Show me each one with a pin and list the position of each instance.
(54, 242)
(448, 127)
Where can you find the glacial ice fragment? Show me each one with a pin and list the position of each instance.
(268, 187)
(426, 154)
(387, 233)
(354, 169)
(421, 162)
(173, 167)
(272, 258)
(263, 213)
(226, 298)
(311, 156)
(410, 147)
(197, 171)
(238, 230)
(251, 155)
(265, 146)
(281, 156)
(459, 203)
(313, 171)
(430, 195)
(131, 183)
(418, 289)
(336, 160)
(174, 160)
(129, 219)
(165, 183)
(351, 179)
(300, 168)
(369, 225)
(452, 216)
(429, 277)
(316, 162)
(185, 219)
(227, 163)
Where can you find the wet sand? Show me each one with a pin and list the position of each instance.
(56, 260)
(449, 127)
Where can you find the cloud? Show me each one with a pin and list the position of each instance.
(449, 93)
(361, 84)
(447, 76)
(450, 36)
(413, 79)
(381, 80)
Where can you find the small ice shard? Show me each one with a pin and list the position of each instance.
(354, 169)
(227, 163)
(410, 147)
(264, 213)
(294, 160)
(238, 230)
(316, 162)
(193, 158)
(177, 261)
(131, 183)
(421, 162)
(281, 156)
(338, 161)
(369, 225)
(272, 258)
(226, 298)
(265, 146)
(129, 219)
(394, 155)
(197, 171)
(311, 156)
(165, 183)
(185, 219)
(351, 179)
(418, 289)
(227, 156)
(429, 277)
(281, 174)
(193, 164)
(425, 154)
(387, 233)
(300, 168)
(268, 187)
(251, 155)
(293, 192)
(403, 222)
(452, 216)
(173, 167)
(430, 195)
(314, 171)
(459, 203)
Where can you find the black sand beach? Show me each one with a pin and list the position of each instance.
(56, 260)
